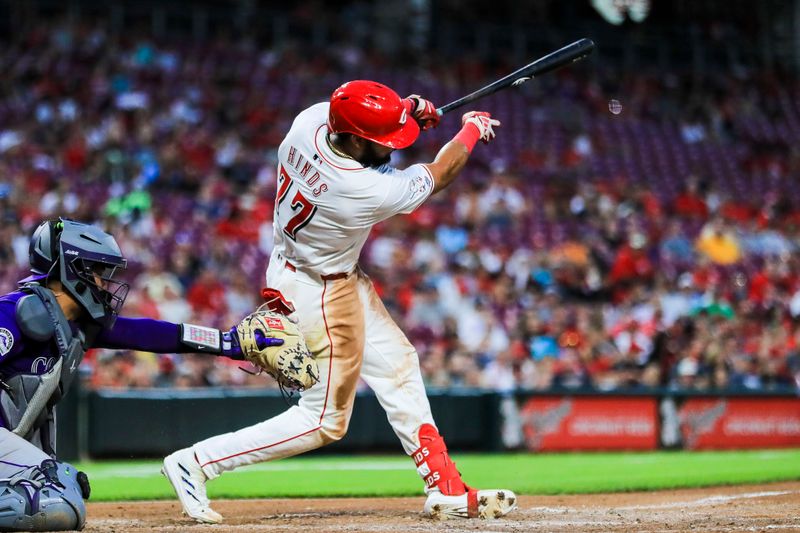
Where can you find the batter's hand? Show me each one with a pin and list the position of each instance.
(423, 111)
(483, 121)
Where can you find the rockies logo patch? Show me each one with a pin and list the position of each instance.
(6, 341)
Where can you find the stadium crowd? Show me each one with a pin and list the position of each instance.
(656, 247)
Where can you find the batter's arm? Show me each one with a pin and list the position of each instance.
(453, 156)
(448, 164)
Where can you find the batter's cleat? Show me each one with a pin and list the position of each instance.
(189, 481)
(489, 504)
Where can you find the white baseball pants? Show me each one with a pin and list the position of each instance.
(352, 335)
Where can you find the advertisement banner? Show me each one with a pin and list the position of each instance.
(584, 423)
(715, 423)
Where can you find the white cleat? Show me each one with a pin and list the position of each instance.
(488, 504)
(189, 482)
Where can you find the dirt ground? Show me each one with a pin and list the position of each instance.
(773, 507)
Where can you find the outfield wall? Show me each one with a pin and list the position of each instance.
(647, 422)
(144, 423)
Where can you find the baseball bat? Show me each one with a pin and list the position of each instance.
(572, 52)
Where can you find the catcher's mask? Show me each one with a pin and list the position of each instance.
(84, 259)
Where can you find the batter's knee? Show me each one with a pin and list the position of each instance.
(332, 435)
(335, 431)
(48, 497)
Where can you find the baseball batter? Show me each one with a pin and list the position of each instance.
(67, 305)
(334, 184)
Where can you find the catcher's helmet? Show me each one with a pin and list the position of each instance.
(373, 111)
(84, 259)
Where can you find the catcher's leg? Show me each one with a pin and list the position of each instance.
(391, 369)
(17, 453)
(333, 323)
(36, 492)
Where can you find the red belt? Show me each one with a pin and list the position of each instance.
(326, 277)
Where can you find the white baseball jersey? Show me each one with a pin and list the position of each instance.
(326, 203)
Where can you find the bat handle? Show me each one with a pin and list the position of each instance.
(449, 107)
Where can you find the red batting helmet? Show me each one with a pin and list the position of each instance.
(373, 111)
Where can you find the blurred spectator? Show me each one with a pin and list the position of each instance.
(207, 293)
(690, 203)
(719, 243)
(675, 246)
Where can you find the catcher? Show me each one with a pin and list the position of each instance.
(335, 181)
(68, 305)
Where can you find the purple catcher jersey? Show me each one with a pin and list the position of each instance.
(18, 354)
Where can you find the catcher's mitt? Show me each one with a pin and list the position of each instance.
(290, 364)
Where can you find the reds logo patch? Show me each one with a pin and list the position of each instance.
(420, 184)
(6, 341)
(275, 323)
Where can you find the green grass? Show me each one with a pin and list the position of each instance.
(371, 475)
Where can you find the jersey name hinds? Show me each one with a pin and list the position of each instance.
(303, 168)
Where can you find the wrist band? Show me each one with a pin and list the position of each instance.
(468, 136)
(201, 338)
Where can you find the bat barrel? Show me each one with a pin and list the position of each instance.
(563, 56)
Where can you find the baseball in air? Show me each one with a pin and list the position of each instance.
(614, 106)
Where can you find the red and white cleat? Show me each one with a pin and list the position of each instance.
(487, 504)
(448, 495)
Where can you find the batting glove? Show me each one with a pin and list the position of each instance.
(483, 121)
(423, 111)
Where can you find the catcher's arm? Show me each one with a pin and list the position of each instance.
(159, 336)
(225, 343)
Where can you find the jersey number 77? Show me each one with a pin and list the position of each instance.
(299, 204)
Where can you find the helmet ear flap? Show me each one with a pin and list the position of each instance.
(56, 227)
(45, 246)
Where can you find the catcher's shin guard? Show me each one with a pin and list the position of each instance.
(44, 498)
(448, 495)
